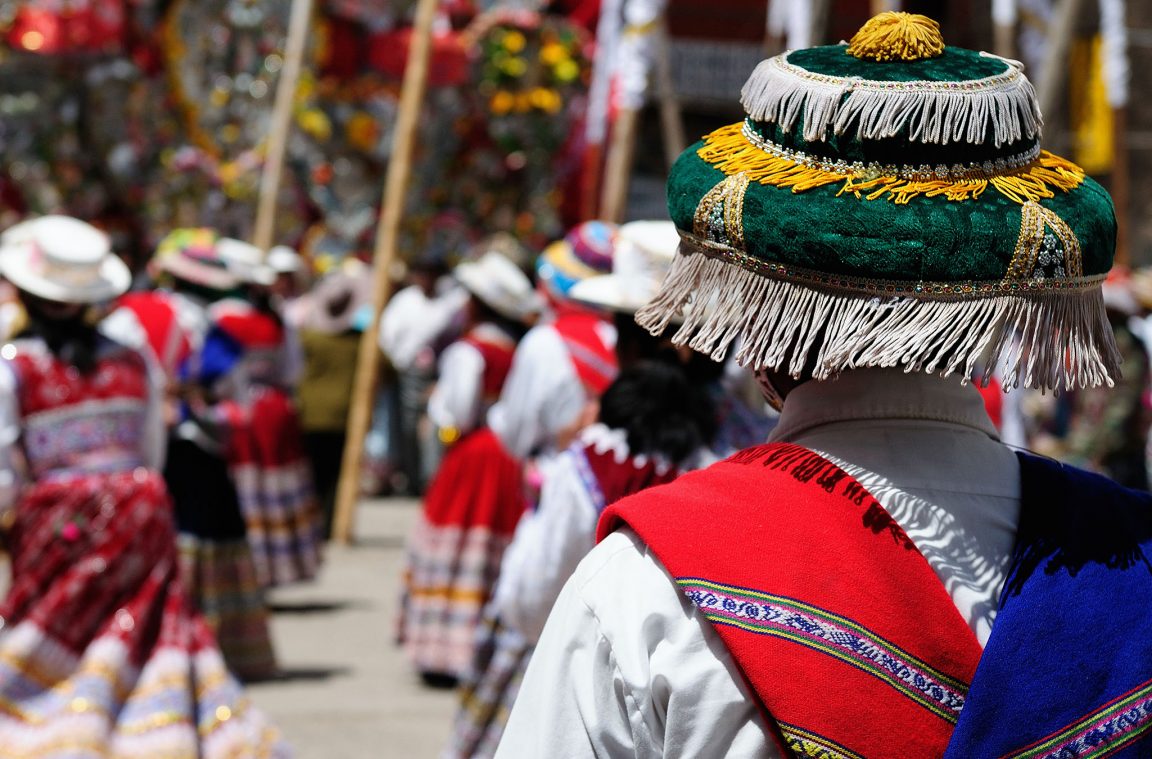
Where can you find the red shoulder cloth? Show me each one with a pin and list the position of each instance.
(158, 317)
(835, 619)
(593, 357)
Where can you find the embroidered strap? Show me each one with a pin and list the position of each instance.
(831, 634)
(1067, 671)
(1103, 732)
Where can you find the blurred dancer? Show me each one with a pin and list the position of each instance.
(219, 567)
(330, 336)
(415, 324)
(245, 351)
(476, 499)
(562, 366)
(101, 652)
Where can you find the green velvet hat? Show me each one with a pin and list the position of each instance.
(887, 203)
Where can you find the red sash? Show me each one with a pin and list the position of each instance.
(593, 358)
(835, 619)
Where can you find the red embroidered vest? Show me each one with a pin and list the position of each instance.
(497, 363)
(835, 619)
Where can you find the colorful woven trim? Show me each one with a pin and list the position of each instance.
(831, 634)
(1104, 732)
(807, 743)
(1029, 176)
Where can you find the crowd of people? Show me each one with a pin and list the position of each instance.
(629, 544)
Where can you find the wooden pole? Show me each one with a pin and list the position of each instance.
(671, 121)
(281, 125)
(1120, 184)
(1055, 68)
(619, 166)
(1004, 40)
(387, 239)
(821, 13)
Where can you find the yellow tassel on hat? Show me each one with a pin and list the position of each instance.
(728, 150)
(895, 36)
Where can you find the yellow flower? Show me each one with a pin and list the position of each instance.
(567, 71)
(229, 173)
(315, 123)
(513, 41)
(552, 54)
(514, 67)
(545, 99)
(362, 131)
(229, 133)
(523, 102)
(219, 98)
(502, 102)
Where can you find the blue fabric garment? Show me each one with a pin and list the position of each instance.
(1067, 671)
(220, 354)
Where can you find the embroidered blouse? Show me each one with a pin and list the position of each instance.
(55, 422)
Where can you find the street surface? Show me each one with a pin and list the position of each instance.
(347, 691)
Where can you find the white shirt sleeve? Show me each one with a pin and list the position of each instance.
(457, 399)
(155, 438)
(542, 395)
(627, 667)
(122, 326)
(547, 548)
(10, 479)
(412, 322)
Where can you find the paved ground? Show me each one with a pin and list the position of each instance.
(348, 693)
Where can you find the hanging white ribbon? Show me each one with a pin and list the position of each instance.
(637, 50)
(1004, 12)
(1114, 49)
(603, 69)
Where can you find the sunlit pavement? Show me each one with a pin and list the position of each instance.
(347, 692)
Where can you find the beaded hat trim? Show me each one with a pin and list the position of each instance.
(922, 172)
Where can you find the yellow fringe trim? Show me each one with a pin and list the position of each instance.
(895, 36)
(729, 151)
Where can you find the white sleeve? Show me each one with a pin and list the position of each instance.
(10, 479)
(542, 395)
(122, 326)
(155, 438)
(548, 546)
(458, 396)
(293, 357)
(628, 667)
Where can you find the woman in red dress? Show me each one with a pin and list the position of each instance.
(476, 498)
(101, 653)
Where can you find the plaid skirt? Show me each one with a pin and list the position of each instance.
(101, 652)
(274, 483)
(488, 690)
(454, 553)
(221, 580)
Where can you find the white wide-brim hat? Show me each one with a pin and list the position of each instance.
(642, 257)
(245, 260)
(500, 284)
(62, 259)
(284, 260)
